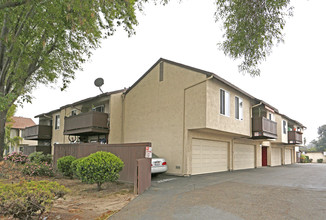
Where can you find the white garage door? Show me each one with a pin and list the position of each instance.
(243, 156)
(287, 159)
(276, 156)
(209, 156)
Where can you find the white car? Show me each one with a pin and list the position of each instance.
(158, 164)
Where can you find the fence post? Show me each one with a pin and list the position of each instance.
(143, 175)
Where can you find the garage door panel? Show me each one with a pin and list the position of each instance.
(287, 159)
(209, 156)
(243, 156)
(276, 156)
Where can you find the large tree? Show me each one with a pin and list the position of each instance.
(42, 41)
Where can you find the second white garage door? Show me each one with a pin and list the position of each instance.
(287, 159)
(276, 156)
(209, 156)
(243, 156)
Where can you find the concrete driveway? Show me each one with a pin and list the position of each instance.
(295, 191)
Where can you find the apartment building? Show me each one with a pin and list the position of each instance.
(199, 122)
(17, 129)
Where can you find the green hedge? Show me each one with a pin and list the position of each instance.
(99, 167)
(64, 165)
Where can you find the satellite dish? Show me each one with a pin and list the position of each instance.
(98, 83)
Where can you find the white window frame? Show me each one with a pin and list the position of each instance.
(99, 106)
(74, 112)
(238, 109)
(57, 122)
(224, 103)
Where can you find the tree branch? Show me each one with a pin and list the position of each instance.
(12, 4)
(5, 67)
(4, 32)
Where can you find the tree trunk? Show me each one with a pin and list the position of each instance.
(99, 186)
(3, 116)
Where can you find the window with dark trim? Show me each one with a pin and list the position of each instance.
(73, 112)
(238, 108)
(57, 122)
(284, 127)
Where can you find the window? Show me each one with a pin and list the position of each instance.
(73, 112)
(270, 116)
(284, 127)
(98, 108)
(224, 102)
(238, 108)
(22, 132)
(57, 122)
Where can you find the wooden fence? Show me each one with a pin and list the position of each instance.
(129, 153)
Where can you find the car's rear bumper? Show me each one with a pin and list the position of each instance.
(160, 169)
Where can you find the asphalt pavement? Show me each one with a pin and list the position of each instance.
(296, 191)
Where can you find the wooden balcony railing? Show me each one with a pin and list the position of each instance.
(87, 124)
(263, 128)
(294, 137)
(38, 132)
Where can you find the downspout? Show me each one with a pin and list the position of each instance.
(184, 122)
(122, 117)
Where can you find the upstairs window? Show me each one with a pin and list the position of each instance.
(57, 122)
(284, 127)
(224, 102)
(238, 108)
(73, 112)
(99, 108)
(270, 116)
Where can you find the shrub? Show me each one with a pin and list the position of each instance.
(38, 169)
(17, 157)
(74, 166)
(24, 199)
(40, 157)
(99, 167)
(305, 159)
(320, 160)
(64, 165)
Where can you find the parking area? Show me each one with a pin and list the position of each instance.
(295, 191)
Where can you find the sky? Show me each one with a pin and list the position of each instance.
(292, 78)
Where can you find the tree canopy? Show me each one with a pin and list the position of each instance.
(252, 27)
(320, 143)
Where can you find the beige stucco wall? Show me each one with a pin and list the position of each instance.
(116, 106)
(281, 137)
(220, 122)
(315, 156)
(195, 106)
(154, 112)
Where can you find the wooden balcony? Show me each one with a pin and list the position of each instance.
(263, 128)
(90, 123)
(38, 132)
(294, 137)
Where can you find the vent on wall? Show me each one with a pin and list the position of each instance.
(161, 71)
